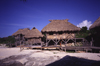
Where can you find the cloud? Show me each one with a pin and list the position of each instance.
(84, 23)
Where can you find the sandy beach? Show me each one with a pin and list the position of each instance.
(9, 54)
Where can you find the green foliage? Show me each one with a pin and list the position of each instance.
(83, 29)
(83, 33)
(7, 40)
(45, 35)
(11, 39)
(44, 38)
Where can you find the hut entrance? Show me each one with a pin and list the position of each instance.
(68, 42)
(52, 42)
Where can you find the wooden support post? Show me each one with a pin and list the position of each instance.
(46, 43)
(83, 41)
(75, 42)
(41, 45)
(75, 36)
(86, 50)
(65, 44)
(92, 42)
(28, 43)
(76, 50)
(20, 46)
(15, 44)
(34, 40)
(65, 49)
(31, 45)
(19, 41)
(60, 43)
(56, 41)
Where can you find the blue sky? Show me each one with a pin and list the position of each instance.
(18, 14)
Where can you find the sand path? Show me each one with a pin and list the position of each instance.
(39, 57)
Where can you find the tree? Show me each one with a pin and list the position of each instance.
(83, 33)
(11, 39)
(7, 40)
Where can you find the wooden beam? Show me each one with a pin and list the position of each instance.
(72, 40)
(92, 41)
(75, 42)
(56, 42)
(83, 41)
(20, 46)
(53, 41)
(47, 42)
(60, 43)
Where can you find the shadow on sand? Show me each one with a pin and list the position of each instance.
(65, 61)
(74, 61)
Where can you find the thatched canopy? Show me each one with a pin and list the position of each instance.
(60, 25)
(33, 33)
(95, 24)
(21, 31)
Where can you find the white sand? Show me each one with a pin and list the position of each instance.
(6, 52)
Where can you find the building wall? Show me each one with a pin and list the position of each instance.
(33, 40)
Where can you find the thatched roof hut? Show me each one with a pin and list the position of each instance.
(34, 36)
(21, 31)
(95, 24)
(33, 33)
(95, 28)
(60, 25)
(60, 29)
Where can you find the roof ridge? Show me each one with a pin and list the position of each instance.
(66, 20)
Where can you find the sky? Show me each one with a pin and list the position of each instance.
(19, 14)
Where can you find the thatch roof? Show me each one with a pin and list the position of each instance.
(95, 24)
(60, 25)
(21, 31)
(33, 33)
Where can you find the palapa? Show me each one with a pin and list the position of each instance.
(21, 31)
(95, 24)
(33, 33)
(95, 27)
(60, 25)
